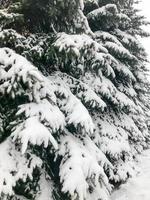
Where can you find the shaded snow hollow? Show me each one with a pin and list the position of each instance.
(137, 188)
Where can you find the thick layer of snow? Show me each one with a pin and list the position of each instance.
(137, 188)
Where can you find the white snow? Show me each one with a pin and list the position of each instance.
(78, 165)
(84, 92)
(138, 187)
(36, 134)
(108, 10)
(77, 43)
(46, 188)
(14, 166)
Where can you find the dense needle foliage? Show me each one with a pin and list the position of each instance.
(74, 95)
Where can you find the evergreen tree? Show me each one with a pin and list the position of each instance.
(73, 97)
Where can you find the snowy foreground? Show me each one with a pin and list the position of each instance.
(137, 188)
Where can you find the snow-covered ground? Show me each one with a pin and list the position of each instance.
(137, 188)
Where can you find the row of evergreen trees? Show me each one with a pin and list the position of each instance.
(73, 97)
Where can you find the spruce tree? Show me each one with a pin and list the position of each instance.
(73, 98)
(114, 26)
